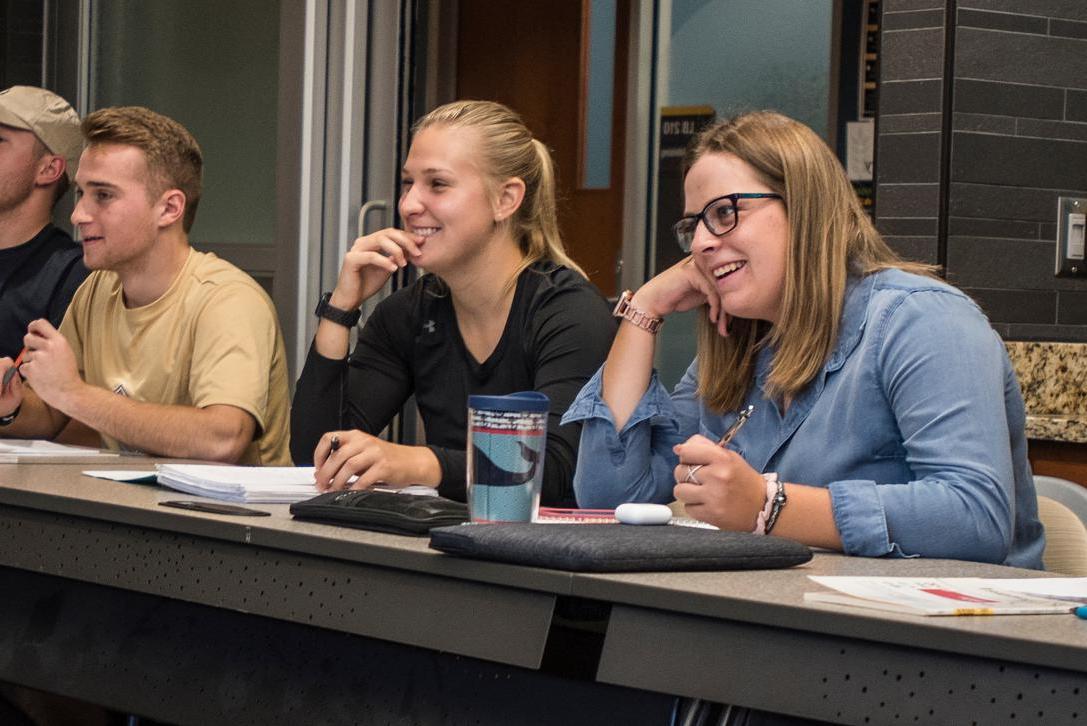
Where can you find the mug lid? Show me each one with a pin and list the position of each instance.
(530, 401)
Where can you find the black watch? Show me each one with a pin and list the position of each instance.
(7, 420)
(348, 319)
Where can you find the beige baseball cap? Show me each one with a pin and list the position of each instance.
(53, 121)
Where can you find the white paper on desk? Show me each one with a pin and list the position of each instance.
(932, 596)
(1073, 589)
(253, 484)
(131, 477)
(17, 451)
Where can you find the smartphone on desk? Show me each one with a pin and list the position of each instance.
(215, 508)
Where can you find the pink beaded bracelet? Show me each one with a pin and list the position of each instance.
(775, 500)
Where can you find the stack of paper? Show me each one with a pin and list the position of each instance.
(951, 595)
(258, 485)
(36, 451)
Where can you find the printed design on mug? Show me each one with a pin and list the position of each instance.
(507, 463)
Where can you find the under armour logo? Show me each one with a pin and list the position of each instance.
(430, 326)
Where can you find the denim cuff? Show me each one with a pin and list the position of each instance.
(589, 404)
(859, 515)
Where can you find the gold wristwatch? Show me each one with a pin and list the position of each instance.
(640, 318)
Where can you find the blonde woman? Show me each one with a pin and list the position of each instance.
(887, 419)
(501, 309)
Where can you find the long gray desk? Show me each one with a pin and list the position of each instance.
(198, 618)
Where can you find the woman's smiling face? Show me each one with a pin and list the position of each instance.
(445, 199)
(747, 264)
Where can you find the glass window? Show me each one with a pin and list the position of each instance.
(213, 67)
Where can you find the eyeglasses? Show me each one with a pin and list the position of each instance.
(721, 215)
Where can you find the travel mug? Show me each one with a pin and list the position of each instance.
(507, 438)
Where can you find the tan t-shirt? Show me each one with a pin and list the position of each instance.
(212, 338)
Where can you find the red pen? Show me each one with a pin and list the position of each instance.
(10, 372)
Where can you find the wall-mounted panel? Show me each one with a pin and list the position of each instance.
(1020, 58)
(910, 97)
(912, 54)
(1016, 306)
(909, 158)
(1018, 162)
(1008, 99)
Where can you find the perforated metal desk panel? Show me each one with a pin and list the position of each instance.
(54, 520)
(739, 637)
(748, 637)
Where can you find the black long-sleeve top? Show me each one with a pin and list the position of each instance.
(558, 332)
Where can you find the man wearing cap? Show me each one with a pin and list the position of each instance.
(40, 265)
(164, 349)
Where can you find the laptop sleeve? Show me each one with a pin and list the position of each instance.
(618, 547)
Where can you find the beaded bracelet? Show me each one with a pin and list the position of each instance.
(775, 501)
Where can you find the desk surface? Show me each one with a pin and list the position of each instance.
(715, 635)
(769, 598)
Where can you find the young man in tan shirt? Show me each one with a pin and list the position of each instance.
(164, 349)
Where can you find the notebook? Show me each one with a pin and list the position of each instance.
(36, 451)
(252, 484)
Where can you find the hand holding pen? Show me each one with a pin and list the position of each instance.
(738, 424)
(10, 372)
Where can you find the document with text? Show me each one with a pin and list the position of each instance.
(934, 596)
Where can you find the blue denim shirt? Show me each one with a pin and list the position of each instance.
(915, 425)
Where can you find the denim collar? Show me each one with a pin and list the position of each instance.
(858, 290)
(854, 313)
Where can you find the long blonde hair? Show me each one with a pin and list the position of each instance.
(830, 238)
(508, 150)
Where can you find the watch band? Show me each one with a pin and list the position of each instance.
(6, 420)
(639, 318)
(346, 318)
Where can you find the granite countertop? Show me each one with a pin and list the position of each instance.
(1053, 377)
(1070, 429)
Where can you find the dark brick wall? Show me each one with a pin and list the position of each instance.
(974, 147)
(21, 42)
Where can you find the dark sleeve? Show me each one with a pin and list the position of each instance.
(572, 334)
(363, 393)
(454, 466)
(69, 281)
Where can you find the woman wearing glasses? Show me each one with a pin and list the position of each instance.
(502, 309)
(886, 417)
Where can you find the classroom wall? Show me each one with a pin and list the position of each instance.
(982, 125)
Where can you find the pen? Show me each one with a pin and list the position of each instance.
(736, 425)
(10, 372)
(722, 442)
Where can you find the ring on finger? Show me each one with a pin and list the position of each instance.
(691, 470)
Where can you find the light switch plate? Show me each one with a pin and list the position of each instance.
(1071, 231)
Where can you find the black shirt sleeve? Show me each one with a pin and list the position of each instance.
(363, 393)
(572, 334)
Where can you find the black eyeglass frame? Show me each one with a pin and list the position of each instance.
(701, 216)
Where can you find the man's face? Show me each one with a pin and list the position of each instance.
(114, 212)
(18, 166)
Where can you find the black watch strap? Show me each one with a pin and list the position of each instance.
(346, 318)
(6, 420)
